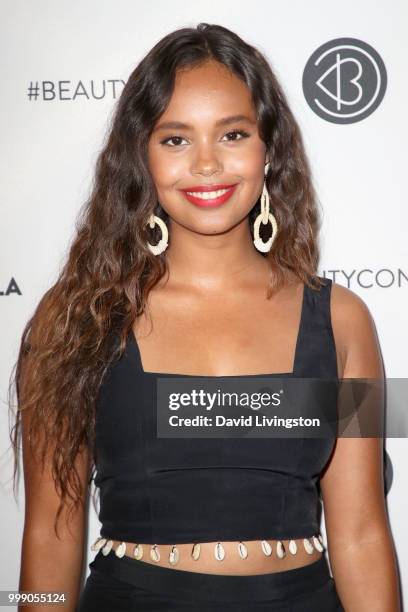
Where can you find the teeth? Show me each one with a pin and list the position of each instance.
(208, 195)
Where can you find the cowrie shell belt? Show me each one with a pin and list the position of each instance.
(310, 544)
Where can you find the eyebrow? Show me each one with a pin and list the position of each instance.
(179, 125)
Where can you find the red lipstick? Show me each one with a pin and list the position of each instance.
(209, 202)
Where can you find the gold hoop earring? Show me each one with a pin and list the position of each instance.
(162, 245)
(264, 216)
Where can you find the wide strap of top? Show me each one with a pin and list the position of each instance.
(316, 352)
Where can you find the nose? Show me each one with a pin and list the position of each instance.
(206, 162)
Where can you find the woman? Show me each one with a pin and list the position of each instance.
(202, 200)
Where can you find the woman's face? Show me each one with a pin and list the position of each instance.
(214, 147)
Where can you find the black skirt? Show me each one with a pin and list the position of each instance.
(118, 584)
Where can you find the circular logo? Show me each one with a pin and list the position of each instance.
(344, 80)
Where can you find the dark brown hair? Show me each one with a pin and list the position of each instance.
(109, 271)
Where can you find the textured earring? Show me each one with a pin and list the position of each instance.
(162, 245)
(264, 216)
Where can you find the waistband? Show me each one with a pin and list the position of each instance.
(212, 587)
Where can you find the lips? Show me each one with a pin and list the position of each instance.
(204, 188)
(208, 201)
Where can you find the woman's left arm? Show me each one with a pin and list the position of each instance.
(359, 540)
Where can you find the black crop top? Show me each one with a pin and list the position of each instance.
(167, 491)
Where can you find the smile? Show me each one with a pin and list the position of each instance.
(209, 198)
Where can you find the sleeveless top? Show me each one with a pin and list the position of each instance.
(168, 491)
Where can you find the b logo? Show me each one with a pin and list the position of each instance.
(344, 80)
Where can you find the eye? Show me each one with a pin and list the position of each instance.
(165, 141)
(242, 133)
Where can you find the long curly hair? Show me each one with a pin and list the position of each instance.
(109, 271)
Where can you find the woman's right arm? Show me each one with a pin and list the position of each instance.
(49, 563)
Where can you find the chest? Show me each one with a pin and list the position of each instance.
(238, 335)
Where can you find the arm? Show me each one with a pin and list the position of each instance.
(49, 563)
(359, 540)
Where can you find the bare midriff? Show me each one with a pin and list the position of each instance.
(256, 561)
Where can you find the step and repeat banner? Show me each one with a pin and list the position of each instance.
(64, 67)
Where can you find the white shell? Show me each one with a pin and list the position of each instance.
(107, 548)
(98, 544)
(243, 551)
(267, 548)
(317, 544)
(308, 546)
(174, 555)
(195, 553)
(120, 550)
(219, 551)
(138, 551)
(280, 549)
(293, 547)
(154, 553)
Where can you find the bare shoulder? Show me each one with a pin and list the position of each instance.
(355, 334)
(348, 307)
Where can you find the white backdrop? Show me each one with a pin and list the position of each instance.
(50, 143)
